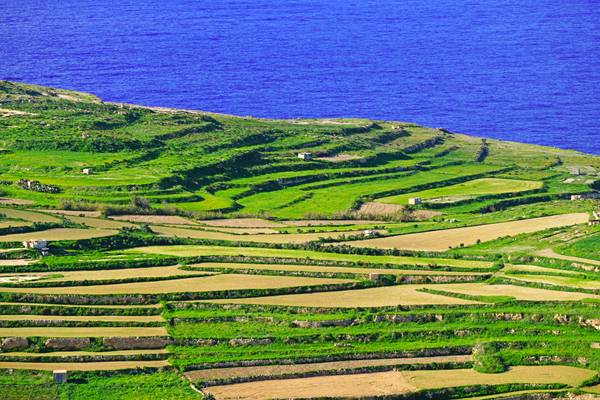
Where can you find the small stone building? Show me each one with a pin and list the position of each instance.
(595, 220)
(584, 196)
(87, 171)
(373, 277)
(35, 244)
(60, 376)
(413, 201)
(305, 156)
(575, 171)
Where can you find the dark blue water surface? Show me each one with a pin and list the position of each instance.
(526, 70)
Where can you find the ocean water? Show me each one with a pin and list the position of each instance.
(520, 70)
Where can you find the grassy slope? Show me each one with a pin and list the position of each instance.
(200, 161)
(194, 161)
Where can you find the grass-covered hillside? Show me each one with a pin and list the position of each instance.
(202, 162)
(168, 254)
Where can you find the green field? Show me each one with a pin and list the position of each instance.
(200, 256)
(467, 190)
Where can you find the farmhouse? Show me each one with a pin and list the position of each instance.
(35, 244)
(87, 171)
(595, 219)
(584, 196)
(305, 156)
(414, 201)
(60, 376)
(41, 245)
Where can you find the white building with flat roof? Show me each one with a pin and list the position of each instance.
(305, 156)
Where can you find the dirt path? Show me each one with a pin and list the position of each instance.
(552, 254)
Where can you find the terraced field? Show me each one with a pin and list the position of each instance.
(202, 258)
(467, 190)
(444, 239)
(394, 383)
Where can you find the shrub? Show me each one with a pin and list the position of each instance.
(487, 360)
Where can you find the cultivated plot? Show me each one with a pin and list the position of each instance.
(466, 190)
(395, 382)
(188, 251)
(260, 238)
(330, 269)
(203, 284)
(372, 297)
(59, 234)
(101, 275)
(442, 240)
(83, 332)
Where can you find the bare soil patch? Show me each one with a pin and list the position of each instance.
(260, 238)
(59, 354)
(559, 281)
(518, 292)
(59, 234)
(84, 366)
(194, 250)
(340, 158)
(155, 219)
(241, 231)
(80, 305)
(330, 222)
(96, 331)
(372, 297)
(375, 208)
(274, 370)
(329, 269)
(395, 382)
(75, 213)
(99, 223)
(242, 223)
(151, 272)
(15, 262)
(18, 279)
(10, 223)
(433, 379)
(31, 216)
(354, 386)
(202, 284)
(443, 239)
(16, 202)
(535, 268)
(107, 318)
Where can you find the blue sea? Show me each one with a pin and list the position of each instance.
(525, 70)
